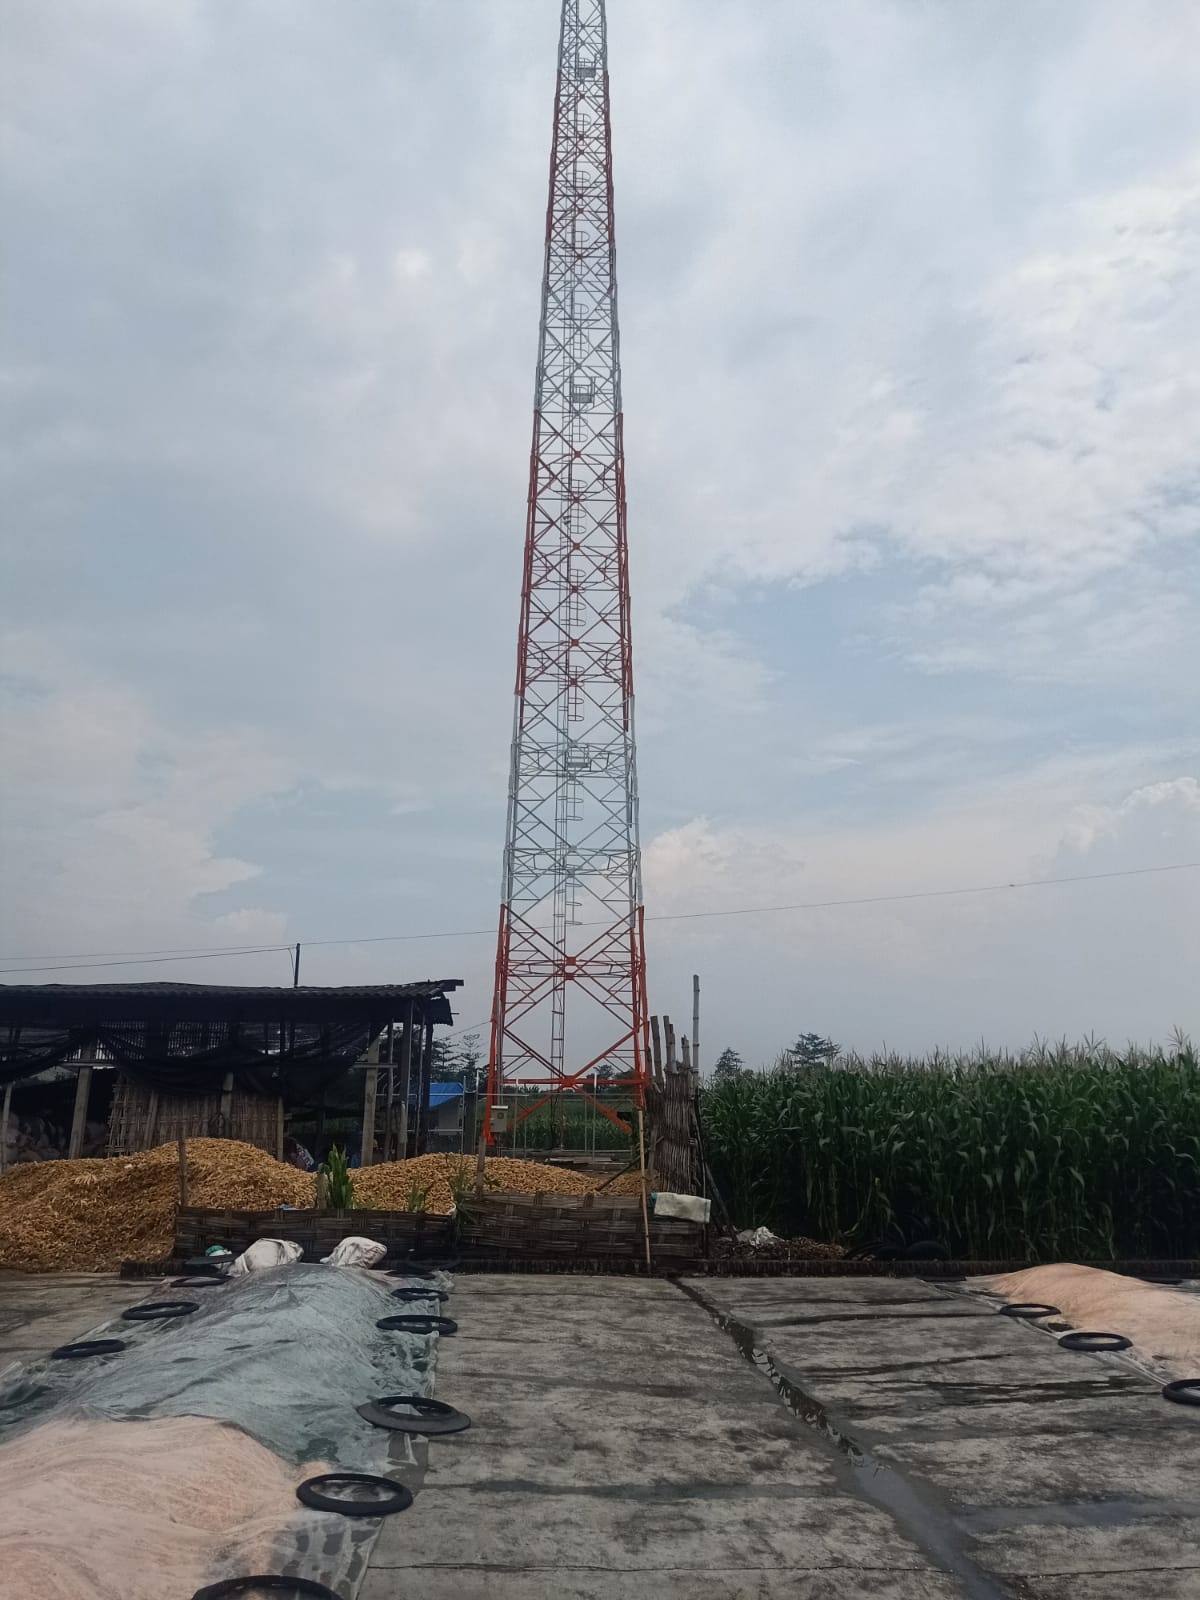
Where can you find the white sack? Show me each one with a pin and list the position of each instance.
(688, 1206)
(265, 1253)
(356, 1252)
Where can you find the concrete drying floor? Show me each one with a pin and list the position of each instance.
(750, 1439)
(879, 1439)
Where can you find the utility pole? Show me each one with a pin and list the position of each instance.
(572, 854)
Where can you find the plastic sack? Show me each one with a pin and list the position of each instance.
(355, 1252)
(264, 1254)
(690, 1207)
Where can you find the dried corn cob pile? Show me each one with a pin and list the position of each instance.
(89, 1216)
(435, 1181)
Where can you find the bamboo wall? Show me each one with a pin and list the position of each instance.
(671, 1090)
(142, 1118)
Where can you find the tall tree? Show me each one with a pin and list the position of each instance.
(813, 1050)
(727, 1065)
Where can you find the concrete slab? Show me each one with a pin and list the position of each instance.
(686, 1477)
(1038, 1467)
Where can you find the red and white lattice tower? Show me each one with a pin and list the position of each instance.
(571, 935)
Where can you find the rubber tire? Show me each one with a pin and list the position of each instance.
(439, 1417)
(1029, 1310)
(1083, 1341)
(160, 1310)
(927, 1250)
(309, 1494)
(439, 1295)
(413, 1324)
(1183, 1391)
(229, 1587)
(197, 1283)
(88, 1347)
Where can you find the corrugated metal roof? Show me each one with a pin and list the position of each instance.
(55, 1005)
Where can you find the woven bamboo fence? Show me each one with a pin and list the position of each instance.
(586, 1227)
(316, 1232)
(548, 1227)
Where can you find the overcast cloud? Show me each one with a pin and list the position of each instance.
(911, 333)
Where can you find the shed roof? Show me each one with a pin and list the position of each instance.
(57, 1005)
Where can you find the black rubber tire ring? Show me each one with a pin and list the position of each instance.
(87, 1347)
(197, 1283)
(1029, 1309)
(1183, 1391)
(439, 1295)
(399, 1499)
(228, 1587)
(160, 1310)
(438, 1418)
(1087, 1341)
(413, 1324)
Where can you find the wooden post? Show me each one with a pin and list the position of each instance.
(406, 1045)
(8, 1089)
(423, 1093)
(391, 1092)
(151, 1119)
(183, 1173)
(279, 1130)
(369, 1092)
(656, 1049)
(83, 1091)
(669, 1035)
(696, 1023)
(480, 1169)
(227, 1106)
(685, 1050)
(645, 1197)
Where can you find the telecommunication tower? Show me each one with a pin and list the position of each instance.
(571, 922)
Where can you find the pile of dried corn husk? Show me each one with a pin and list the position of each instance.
(89, 1216)
(430, 1183)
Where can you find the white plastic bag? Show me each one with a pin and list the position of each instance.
(264, 1253)
(757, 1238)
(356, 1252)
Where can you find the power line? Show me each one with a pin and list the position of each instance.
(200, 953)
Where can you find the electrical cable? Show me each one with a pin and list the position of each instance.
(74, 963)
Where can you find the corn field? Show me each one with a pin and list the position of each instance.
(1055, 1154)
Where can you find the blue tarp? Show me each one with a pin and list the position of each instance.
(441, 1094)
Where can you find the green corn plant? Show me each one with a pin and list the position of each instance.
(339, 1185)
(417, 1198)
(1058, 1151)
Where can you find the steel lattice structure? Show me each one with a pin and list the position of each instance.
(571, 917)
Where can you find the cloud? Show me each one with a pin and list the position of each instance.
(910, 350)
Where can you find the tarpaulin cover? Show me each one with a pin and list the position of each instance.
(286, 1355)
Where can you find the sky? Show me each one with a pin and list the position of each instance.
(910, 308)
